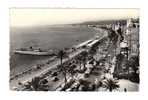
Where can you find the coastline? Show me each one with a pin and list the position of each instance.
(46, 38)
(29, 74)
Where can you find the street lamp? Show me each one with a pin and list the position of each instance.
(109, 57)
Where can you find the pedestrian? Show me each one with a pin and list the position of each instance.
(125, 90)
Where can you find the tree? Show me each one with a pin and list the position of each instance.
(62, 54)
(119, 59)
(37, 84)
(71, 70)
(134, 62)
(111, 84)
(79, 58)
(84, 56)
(64, 71)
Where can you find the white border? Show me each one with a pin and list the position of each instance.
(4, 50)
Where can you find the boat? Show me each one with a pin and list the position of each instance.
(32, 51)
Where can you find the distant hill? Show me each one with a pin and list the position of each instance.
(103, 22)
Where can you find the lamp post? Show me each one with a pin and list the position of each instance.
(109, 57)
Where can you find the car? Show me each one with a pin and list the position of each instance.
(86, 75)
(55, 79)
(44, 81)
(54, 74)
(15, 88)
(69, 89)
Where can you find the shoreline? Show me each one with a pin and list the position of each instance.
(73, 46)
(30, 71)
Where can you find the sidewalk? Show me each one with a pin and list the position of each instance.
(130, 86)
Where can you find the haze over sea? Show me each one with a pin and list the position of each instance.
(44, 37)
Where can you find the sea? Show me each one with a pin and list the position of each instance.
(52, 37)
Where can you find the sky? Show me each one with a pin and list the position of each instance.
(21, 17)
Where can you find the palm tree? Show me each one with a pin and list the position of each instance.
(111, 84)
(84, 55)
(79, 58)
(71, 70)
(134, 62)
(63, 70)
(119, 60)
(36, 85)
(62, 54)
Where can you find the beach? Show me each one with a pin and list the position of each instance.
(49, 37)
(27, 75)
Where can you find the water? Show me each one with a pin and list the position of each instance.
(47, 37)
